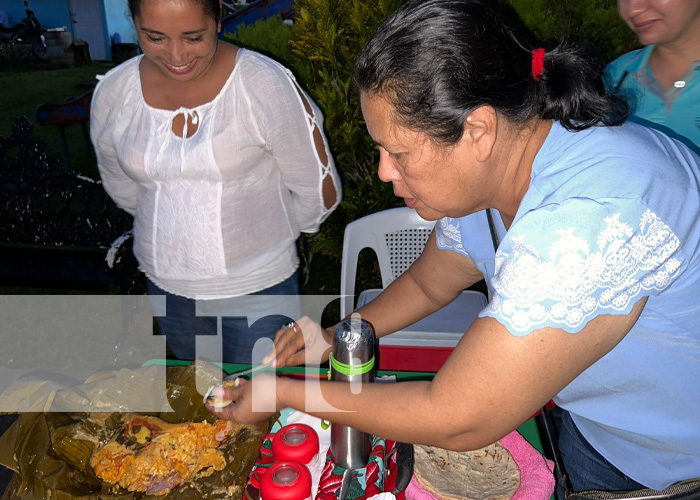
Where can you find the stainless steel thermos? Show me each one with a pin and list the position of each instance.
(352, 361)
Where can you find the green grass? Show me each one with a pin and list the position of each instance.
(25, 86)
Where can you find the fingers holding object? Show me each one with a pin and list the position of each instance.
(288, 340)
(222, 399)
(222, 394)
(248, 402)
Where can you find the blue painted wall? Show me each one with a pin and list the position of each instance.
(119, 20)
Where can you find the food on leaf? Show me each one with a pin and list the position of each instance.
(150, 455)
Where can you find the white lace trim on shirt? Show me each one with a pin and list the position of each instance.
(449, 236)
(572, 282)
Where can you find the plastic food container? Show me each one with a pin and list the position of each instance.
(287, 480)
(297, 442)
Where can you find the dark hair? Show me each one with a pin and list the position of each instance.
(211, 7)
(438, 60)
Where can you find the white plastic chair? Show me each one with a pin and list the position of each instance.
(398, 236)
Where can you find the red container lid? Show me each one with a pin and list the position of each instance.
(298, 442)
(287, 480)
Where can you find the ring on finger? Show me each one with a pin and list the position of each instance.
(292, 325)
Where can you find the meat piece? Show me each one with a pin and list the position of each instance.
(148, 454)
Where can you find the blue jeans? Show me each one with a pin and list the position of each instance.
(250, 318)
(587, 469)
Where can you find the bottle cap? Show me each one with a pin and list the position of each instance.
(298, 442)
(286, 480)
(353, 342)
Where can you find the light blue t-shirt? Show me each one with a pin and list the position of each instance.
(675, 111)
(612, 215)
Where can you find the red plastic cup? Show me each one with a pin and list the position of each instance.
(287, 480)
(297, 442)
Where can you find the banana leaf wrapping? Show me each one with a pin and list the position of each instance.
(50, 452)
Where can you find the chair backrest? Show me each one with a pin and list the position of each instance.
(397, 236)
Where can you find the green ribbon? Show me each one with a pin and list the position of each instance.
(346, 369)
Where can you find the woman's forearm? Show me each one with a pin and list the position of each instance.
(412, 414)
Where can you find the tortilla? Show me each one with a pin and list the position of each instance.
(486, 474)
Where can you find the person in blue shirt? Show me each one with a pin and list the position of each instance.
(662, 79)
(593, 274)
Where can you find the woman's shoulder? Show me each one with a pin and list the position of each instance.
(256, 65)
(629, 61)
(628, 141)
(119, 78)
(630, 158)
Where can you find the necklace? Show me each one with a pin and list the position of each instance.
(679, 84)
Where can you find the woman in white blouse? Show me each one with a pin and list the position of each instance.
(220, 157)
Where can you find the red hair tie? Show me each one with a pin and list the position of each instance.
(537, 63)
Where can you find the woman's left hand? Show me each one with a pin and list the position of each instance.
(250, 401)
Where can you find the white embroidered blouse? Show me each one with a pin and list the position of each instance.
(216, 214)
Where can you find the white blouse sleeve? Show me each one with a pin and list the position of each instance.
(122, 189)
(291, 121)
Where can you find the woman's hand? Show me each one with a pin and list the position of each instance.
(304, 342)
(250, 401)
